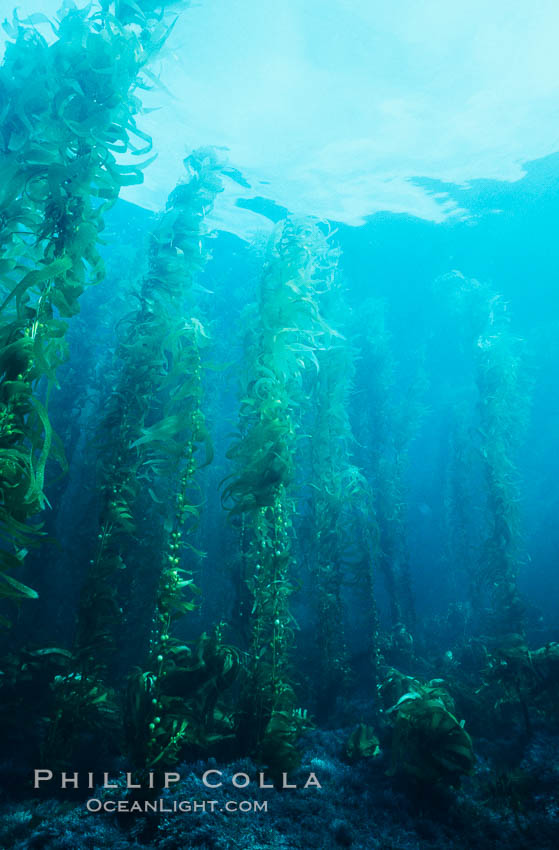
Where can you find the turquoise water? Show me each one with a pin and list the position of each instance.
(278, 419)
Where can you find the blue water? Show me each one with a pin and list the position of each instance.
(316, 381)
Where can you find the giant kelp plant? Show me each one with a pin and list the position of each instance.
(68, 110)
(154, 422)
(385, 426)
(501, 409)
(460, 554)
(337, 488)
(282, 345)
(486, 338)
(150, 433)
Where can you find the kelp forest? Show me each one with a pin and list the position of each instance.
(261, 503)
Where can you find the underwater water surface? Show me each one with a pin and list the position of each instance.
(278, 426)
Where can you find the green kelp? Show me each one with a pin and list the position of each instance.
(69, 110)
(177, 707)
(287, 330)
(337, 490)
(153, 429)
(154, 424)
(460, 488)
(521, 683)
(428, 742)
(502, 400)
(362, 743)
(385, 427)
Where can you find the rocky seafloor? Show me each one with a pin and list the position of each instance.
(358, 806)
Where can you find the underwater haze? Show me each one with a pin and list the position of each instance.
(279, 333)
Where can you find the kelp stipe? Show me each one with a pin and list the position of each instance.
(288, 329)
(153, 422)
(337, 489)
(384, 429)
(502, 401)
(68, 110)
(458, 486)
(502, 405)
(154, 426)
(174, 699)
